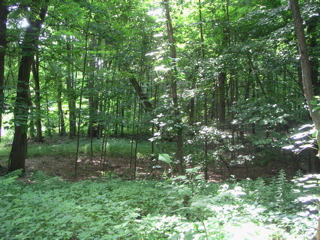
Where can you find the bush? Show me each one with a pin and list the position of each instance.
(50, 208)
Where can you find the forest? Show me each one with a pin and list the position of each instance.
(140, 119)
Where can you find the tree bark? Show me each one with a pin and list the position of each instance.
(318, 230)
(71, 96)
(3, 46)
(35, 71)
(222, 79)
(29, 47)
(305, 67)
(143, 97)
(93, 126)
(62, 127)
(174, 89)
(312, 41)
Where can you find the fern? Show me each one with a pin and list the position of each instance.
(10, 177)
(50, 208)
(281, 190)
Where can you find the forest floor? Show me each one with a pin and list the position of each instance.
(91, 167)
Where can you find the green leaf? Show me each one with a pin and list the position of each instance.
(315, 109)
(180, 178)
(313, 102)
(164, 158)
(314, 135)
(199, 177)
(193, 170)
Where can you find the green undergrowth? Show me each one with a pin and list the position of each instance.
(115, 147)
(179, 208)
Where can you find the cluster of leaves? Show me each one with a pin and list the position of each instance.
(221, 147)
(303, 138)
(178, 208)
(64, 147)
(271, 118)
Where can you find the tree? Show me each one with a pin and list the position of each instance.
(174, 88)
(220, 62)
(306, 68)
(28, 49)
(3, 46)
(35, 72)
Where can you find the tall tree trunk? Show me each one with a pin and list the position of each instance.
(35, 71)
(31, 122)
(143, 97)
(62, 127)
(71, 96)
(312, 32)
(117, 116)
(3, 46)
(191, 112)
(305, 67)
(255, 71)
(205, 104)
(174, 89)
(222, 79)
(28, 48)
(48, 120)
(84, 73)
(93, 105)
(93, 129)
(122, 120)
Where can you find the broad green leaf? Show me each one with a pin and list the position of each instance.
(199, 177)
(313, 102)
(315, 109)
(180, 178)
(193, 170)
(314, 134)
(164, 158)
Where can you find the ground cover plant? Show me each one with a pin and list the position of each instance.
(111, 111)
(129, 159)
(63, 146)
(56, 156)
(174, 208)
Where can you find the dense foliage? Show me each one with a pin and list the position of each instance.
(191, 87)
(179, 208)
(182, 71)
